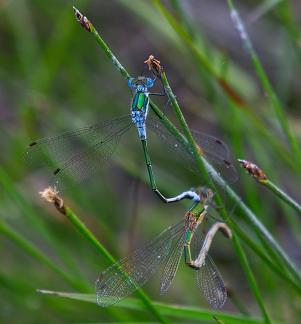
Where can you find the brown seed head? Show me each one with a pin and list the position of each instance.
(253, 170)
(50, 194)
(83, 20)
(154, 65)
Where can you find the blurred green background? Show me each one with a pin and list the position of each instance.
(54, 77)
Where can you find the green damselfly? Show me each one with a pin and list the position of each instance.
(80, 153)
(127, 275)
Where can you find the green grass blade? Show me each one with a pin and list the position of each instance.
(30, 249)
(282, 195)
(176, 311)
(258, 174)
(251, 278)
(267, 86)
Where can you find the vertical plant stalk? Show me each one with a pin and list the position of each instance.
(30, 249)
(251, 278)
(202, 168)
(197, 151)
(275, 102)
(257, 173)
(51, 196)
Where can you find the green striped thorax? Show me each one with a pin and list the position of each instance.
(198, 211)
(141, 86)
(193, 218)
(140, 102)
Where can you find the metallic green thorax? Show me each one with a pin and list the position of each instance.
(197, 209)
(140, 101)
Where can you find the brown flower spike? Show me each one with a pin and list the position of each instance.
(253, 170)
(154, 65)
(83, 20)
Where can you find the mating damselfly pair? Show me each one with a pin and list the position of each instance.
(79, 153)
(130, 273)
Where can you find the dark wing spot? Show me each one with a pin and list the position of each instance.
(227, 163)
(32, 144)
(57, 171)
(102, 287)
(218, 141)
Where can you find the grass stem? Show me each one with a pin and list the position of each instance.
(256, 172)
(282, 195)
(200, 163)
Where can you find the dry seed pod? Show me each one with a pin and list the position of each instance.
(253, 170)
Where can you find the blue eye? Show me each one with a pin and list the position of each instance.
(149, 82)
(131, 83)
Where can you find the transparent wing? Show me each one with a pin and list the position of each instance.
(198, 237)
(211, 145)
(79, 153)
(172, 264)
(223, 166)
(211, 283)
(125, 276)
(214, 150)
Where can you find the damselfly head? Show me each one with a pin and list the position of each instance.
(141, 83)
(206, 194)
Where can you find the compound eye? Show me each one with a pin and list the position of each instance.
(131, 82)
(149, 82)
